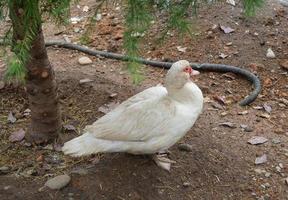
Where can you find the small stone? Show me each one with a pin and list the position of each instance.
(7, 187)
(259, 171)
(85, 80)
(260, 160)
(276, 140)
(248, 129)
(185, 147)
(267, 185)
(257, 140)
(84, 60)
(278, 169)
(85, 9)
(186, 184)
(98, 17)
(267, 174)
(4, 170)
(270, 53)
(58, 182)
(113, 95)
(266, 197)
(77, 30)
(281, 165)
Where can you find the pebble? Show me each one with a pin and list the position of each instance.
(270, 53)
(262, 159)
(186, 184)
(84, 60)
(260, 171)
(185, 147)
(58, 182)
(7, 187)
(4, 169)
(257, 140)
(276, 140)
(278, 169)
(85, 80)
(267, 174)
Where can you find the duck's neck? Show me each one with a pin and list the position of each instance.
(189, 93)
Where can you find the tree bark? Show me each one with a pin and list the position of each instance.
(42, 93)
(41, 85)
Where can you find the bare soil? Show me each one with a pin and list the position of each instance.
(221, 163)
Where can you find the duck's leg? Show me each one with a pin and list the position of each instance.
(163, 161)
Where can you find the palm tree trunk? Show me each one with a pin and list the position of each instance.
(42, 93)
(40, 81)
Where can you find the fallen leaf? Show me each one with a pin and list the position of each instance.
(17, 136)
(257, 140)
(228, 124)
(11, 118)
(227, 29)
(220, 99)
(260, 160)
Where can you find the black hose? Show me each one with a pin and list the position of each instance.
(201, 67)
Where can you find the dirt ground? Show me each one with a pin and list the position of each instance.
(221, 163)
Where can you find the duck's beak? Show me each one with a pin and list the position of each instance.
(194, 72)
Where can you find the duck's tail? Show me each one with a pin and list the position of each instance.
(87, 144)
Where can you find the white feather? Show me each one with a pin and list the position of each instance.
(149, 122)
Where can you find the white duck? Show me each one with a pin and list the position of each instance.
(147, 123)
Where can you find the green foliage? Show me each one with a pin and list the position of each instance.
(59, 10)
(139, 15)
(250, 6)
(15, 72)
(26, 23)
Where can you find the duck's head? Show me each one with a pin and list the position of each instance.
(179, 74)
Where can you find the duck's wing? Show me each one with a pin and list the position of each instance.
(139, 118)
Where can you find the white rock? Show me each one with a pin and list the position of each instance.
(84, 60)
(270, 53)
(85, 80)
(98, 17)
(257, 140)
(58, 182)
(85, 9)
(260, 160)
